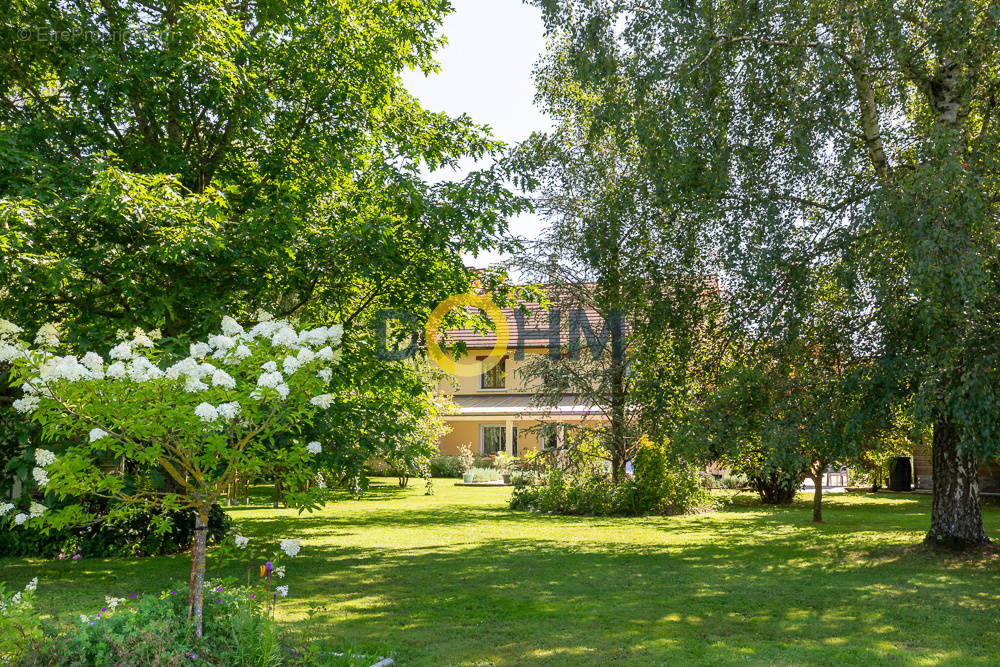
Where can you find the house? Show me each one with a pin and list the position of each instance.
(494, 405)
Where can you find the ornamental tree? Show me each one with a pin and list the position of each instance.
(153, 431)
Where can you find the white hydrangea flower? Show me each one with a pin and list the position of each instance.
(325, 374)
(94, 363)
(291, 547)
(97, 433)
(141, 339)
(290, 365)
(27, 404)
(36, 510)
(279, 572)
(193, 385)
(117, 370)
(113, 602)
(285, 337)
(206, 412)
(8, 352)
(221, 378)
(228, 411)
(282, 591)
(32, 585)
(44, 457)
(241, 541)
(270, 366)
(9, 330)
(320, 480)
(326, 354)
(323, 401)
(242, 352)
(155, 334)
(315, 336)
(265, 329)
(305, 355)
(336, 333)
(199, 349)
(41, 477)
(282, 390)
(271, 379)
(231, 327)
(47, 336)
(221, 342)
(5, 508)
(143, 370)
(186, 366)
(314, 447)
(264, 316)
(20, 518)
(122, 351)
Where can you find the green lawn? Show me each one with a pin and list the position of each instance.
(456, 578)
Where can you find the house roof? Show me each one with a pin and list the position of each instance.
(530, 329)
(519, 404)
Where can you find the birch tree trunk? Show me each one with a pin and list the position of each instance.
(956, 519)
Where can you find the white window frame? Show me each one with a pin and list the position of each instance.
(482, 437)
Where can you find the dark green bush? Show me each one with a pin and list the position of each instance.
(134, 537)
(658, 487)
(446, 466)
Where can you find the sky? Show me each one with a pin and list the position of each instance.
(486, 67)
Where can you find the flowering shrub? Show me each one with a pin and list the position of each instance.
(19, 625)
(186, 426)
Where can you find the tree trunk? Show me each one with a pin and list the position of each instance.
(817, 478)
(196, 594)
(956, 518)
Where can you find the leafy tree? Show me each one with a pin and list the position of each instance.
(609, 249)
(199, 419)
(165, 162)
(811, 132)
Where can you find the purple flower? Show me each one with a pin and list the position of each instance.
(219, 601)
(173, 592)
(253, 597)
(268, 567)
(76, 557)
(133, 595)
(219, 589)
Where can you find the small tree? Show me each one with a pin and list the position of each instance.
(179, 429)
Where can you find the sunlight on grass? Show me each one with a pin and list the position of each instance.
(456, 578)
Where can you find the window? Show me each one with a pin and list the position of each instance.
(494, 439)
(550, 438)
(496, 377)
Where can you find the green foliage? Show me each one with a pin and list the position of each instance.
(858, 140)
(733, 481)
(20, 625)
(660, 486)
(664, 485)
(133, 537)
(485, 474)
(154, 629)
(446, 466)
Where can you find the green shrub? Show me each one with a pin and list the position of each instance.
(149, 630)
(664, 485)
(19, 623)
(485, 474)
(733, 481)
(446, 466)
(707, 480)
(134, 537)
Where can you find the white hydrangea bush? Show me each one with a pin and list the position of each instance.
(197, 419)
(185, 425)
